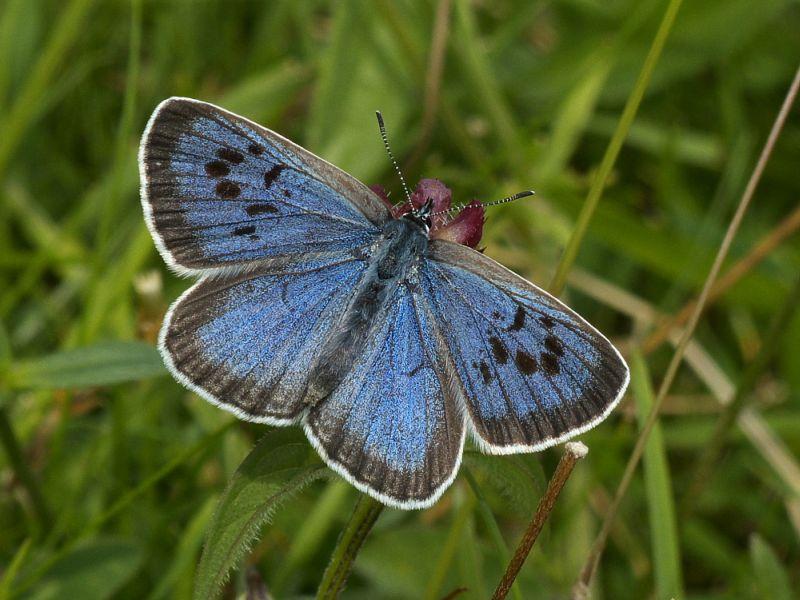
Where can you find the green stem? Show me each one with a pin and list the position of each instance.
(10, 444)
(365, 514)
(612, 151)
(703, 470)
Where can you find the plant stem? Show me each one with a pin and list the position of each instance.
(10, 444)
(593, 560)
(365, 514)
(612, 151)
(573, 452)
(703, 470)
(758, 253)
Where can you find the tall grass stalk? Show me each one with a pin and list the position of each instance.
(612, 151)
(593, 560)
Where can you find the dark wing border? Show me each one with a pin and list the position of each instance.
(493, 272)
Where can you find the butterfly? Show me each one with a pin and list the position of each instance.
(377, 328)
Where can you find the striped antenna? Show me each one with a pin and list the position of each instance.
(385, 139)
(516, 196)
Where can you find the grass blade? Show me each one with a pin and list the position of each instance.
(593, 559)
(612, 151)
(102, 364)
(771, 579)
(660, 502)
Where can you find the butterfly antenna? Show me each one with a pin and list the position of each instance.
(516, 196)
(385, 139)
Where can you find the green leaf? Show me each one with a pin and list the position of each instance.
(771, 579)
(660, 502)
(92, 571)
(277, 468)
(102, 364)
(13, 568)
(509, 478)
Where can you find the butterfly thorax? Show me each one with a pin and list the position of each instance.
(421, 217)
(393, 263)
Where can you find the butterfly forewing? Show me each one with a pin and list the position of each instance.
(220, 191)
(533, 372)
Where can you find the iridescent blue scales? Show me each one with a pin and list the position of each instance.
(315, 306)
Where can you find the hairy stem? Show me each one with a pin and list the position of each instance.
(365, 514)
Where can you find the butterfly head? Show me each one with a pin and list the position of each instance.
(428, 206)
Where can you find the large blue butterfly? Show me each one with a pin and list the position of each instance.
(316, 306)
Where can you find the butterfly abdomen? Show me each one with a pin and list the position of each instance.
(402, 245)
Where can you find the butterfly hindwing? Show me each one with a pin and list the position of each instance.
(221, 191)
(246, 342)
(394, 427)
(533, 372)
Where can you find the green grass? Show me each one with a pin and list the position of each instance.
(111, 473)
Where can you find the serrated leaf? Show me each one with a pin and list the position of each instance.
(277, 468)
(102, 364)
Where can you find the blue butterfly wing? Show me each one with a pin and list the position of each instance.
(246, 342)
(533, 372)
(394, 427)
(219, 191)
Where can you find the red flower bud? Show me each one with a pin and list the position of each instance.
(466, 228)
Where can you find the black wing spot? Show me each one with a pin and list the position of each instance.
(550, 363)
(232, 156)
(255, 238)
(246, 230)
(287, 193)
(217, 168)
(547, 321)
(526, 363)
(496, 315)
(228, 190)
(486, 373)
(260, 209)
(271, 175)
(499, 350)
(519, 319)
(255, 149)
(554, 345)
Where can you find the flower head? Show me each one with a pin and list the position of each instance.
(466, 228)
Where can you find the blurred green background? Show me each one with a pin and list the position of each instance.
(110, 471)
